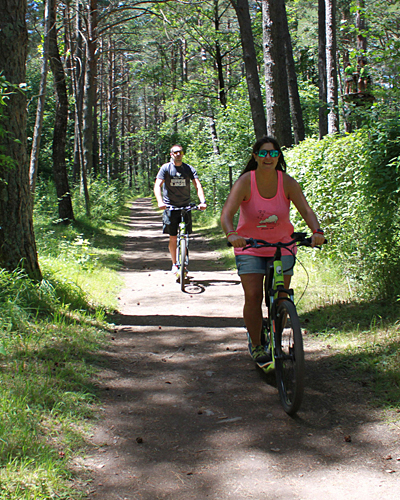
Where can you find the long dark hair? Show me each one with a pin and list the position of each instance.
(252, 164)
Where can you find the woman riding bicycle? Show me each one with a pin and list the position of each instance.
(263, 193)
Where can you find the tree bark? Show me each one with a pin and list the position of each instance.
(218, 59)
(90, 86)
(78, 71)
(323, 116)
(360, 25)
(250, 61)
(60, 175)
(37, 131)
(331, 67)
(294, 97)
(17, 240)
(276, 83)
(112, 113)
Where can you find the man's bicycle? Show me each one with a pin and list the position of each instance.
(281, 331)
(182, 244)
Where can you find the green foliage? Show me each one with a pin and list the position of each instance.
(353, 184)
(235, 139)
(363, 334)
(107, 200)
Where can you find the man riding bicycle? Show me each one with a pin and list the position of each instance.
(175, 177)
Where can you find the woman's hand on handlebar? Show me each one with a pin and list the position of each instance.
(317, 239)
(237, 241)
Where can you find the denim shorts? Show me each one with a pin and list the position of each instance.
(250, 264)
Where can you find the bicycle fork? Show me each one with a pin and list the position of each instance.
(181, 236)
(277, 287)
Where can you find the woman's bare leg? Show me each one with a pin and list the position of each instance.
(252, 310)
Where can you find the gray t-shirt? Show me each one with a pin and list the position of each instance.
(176, 187)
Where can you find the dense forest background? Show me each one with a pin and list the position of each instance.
(93, 93)
(110, 86)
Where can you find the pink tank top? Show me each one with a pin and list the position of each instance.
(265, 219)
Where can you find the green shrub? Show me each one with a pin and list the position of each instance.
(352, 182)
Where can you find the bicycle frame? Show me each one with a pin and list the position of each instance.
(283, 327)
(182, 243)
(182, 234)
(273, 286)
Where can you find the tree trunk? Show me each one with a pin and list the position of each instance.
(78, 77)
(294, 97)
(78, 65)
(17, 240)
(90, 87)
(360, 25)
(184, 60)
(250, 61)
(218, 59)
(60, 175)
(37, 132)
(112, 113)
(102, 92)
(331, 69)
(276, 84)
(323, 116)
(123, 139)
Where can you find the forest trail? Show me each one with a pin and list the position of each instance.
(185, 415)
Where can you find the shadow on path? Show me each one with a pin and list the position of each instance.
(186, 416)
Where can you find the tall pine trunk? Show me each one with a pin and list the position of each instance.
(37, 131)
(60, 175)
(218, 59)
(78, 66)
(90, 87)
(294, 97)
(17, 240)
(276, 82)
(331, 67)
(250, 61)
(323, 115)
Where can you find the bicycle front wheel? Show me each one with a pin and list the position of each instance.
(183, 253)
(289, 357)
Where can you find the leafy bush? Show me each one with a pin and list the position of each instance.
(106, 200)
(353, 183)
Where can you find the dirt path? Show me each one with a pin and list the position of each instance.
(186, 416)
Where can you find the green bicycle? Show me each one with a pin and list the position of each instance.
(281, 332)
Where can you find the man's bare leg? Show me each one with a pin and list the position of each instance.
(172, 248)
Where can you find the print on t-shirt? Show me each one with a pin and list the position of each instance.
(267, 223)
(178, 181)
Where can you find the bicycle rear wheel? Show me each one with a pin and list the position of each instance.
(182, 260)
(289, 357)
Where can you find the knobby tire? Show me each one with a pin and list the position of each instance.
(289, 361)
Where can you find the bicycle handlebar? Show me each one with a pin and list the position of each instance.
(300, 239)
(190, 207)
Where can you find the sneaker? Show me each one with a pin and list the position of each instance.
(178, 275)
(259, 355)
(174, 269)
